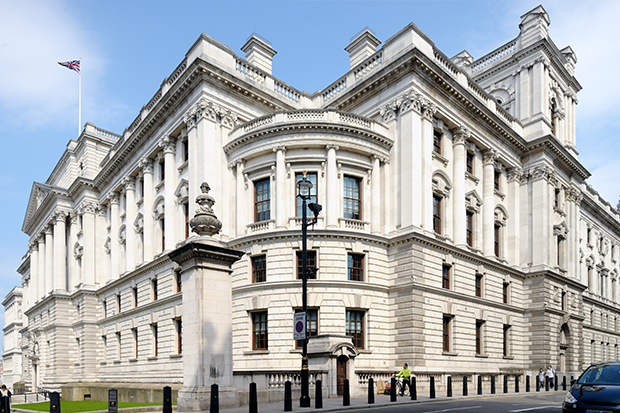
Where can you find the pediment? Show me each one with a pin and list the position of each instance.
(41, 195)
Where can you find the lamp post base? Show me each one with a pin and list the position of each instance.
(304, 401)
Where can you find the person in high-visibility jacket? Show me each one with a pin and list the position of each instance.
(406, 373)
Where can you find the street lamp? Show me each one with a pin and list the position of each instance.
(303, 188)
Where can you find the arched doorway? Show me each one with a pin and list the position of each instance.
(341, 373)
(563, 363)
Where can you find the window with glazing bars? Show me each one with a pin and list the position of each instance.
(355, 267)
(469, 228)
(311, 263)
(259, 269)
(259, 330)
(352, 208)
(262, 200)
(437, 214)
(437, 135)
(310, 176)
(355, 327)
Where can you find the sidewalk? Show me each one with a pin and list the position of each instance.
(381, 400)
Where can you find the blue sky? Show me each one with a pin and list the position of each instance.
(129, 47)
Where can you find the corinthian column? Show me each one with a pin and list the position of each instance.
(280, 188)
(488, 200)
(458, 142)
(42, 281)
(49, 258)
(114, 228)
(428, 111)
(130, 217)
(514, 209)
(60, 252)
(34, 272)
(147, 207)
(168, 144)
(333, 197)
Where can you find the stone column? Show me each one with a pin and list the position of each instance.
(332, 198)
(130, 217)
(458, 142)
(540, 220)
(89, 236)
(207, 312)
(73, 275)
(101, 269)
(524, 87)
(488, 203)
(428, 110)
(34, 271)
(168, 144)
(241, 201)
(42, 281)
(281, 215)
(375, 194)
(114, 228)
(390, 193)
(49, 258)
(514, 210)
(147, 207)
(60, 252)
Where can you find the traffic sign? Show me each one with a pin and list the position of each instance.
(299, 331)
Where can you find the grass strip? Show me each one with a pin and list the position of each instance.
(77, 406)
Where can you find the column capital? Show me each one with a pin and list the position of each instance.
(146, 165)
(389, 111)
(114, 198)
(543, 172)
(574, 195)
(130, 183)
(49, 229)
(89, 207)
(72, 218)
(429, 109)
(410, 101)
(515, 174)
(460, 135)
(279, 148)
(168, 144)
(332, 146)
(33, 245)
(59, 216)
(489, 156)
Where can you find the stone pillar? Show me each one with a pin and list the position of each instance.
(281, 215)
(206, 265)
(130, 217)
(60, 252)
(42, 281)
(458, 142)
(388, 196)
(49, 259)
(524, 87)
(114, 228)
(514, 210)
(332, 198)
(89, 236)
(375, 194)
(488, 203)
(241, 201)
(73, 271)
(34, 271)
(168, 144)
(541, 236)
(428, 110)
(147, 207)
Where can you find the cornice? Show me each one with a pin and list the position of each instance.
(143, 309)
(80, 185)
(152, 266)
(551, 145)
(591, 300)
(295, 285)
(33, 215)
(601, 214)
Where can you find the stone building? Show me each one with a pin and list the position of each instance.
(458, 233)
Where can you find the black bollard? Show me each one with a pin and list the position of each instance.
(113, 401)
(449, 386)
(288, 397)
(371, 391)
(492, 384)
(54, 402)
(253, 398)
(479, 384)
(413, 390)
(432, 395)
(215, 399)
(167, 400)
(537, 383)
(516, 383)
(346, 399)
(546, 383)
(505, 383)
(555, 382)
(393, 389)
(564, 383)
(4, 404)
(527, 384)
(318, 402)
(464, 385)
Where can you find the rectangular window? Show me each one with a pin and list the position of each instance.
(312, 325)
(445, 276)
(185, 150)
(155, 339)
(104, 341)
(154, 288)
(479, 326)
(262, 200)
(134, 291)
(355, 327)
(162, 170)
(178, 326)
(118, 303)
(259, 330)
(186, 219)
(312, 177)
(355, 267)
(437, 135)
(142, 187)
(469, 228)
(556, 199)
(437, 214)
(478, 285)
(259, 269)
(469, 162)
(506, 340)
(311, 263)
(496, 176)
(162, 224)
(446, 332)
(134, 334)
(178, 278)
(496, 244)
(505, 292)
(105, 309)
(352, 208)
(118, 345)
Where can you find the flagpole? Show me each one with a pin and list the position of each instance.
(80, 101)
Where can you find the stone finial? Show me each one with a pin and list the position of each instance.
(205, 222)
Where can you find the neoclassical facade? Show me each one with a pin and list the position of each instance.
(458, 233)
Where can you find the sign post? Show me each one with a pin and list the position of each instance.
(300, 326)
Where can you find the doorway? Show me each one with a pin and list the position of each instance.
(341, 374)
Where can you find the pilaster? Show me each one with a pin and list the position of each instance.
(281, 215)
(458, 142)
(60, 252)
(130, 217)
(332, 198)
(113, 200)
(488, 202)
(49, 258)
(147, 207)
(168, 145)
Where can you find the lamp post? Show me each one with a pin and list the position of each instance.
(303, 187)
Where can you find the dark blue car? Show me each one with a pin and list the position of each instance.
(597, 390)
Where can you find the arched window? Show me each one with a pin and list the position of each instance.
(499, 232)
(441, 190)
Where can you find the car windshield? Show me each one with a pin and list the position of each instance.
(601, 374)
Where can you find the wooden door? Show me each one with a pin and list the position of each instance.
(341, 374)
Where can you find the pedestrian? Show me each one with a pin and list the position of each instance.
(5, 392)
(406, 373)
(550, 375)
(541, 377)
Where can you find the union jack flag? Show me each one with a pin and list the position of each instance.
(71, 65)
